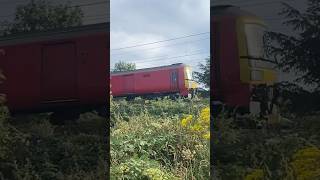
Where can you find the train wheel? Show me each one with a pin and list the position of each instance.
(130, 98)
(173, 97)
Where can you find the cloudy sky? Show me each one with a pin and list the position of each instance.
(266, 9)
(141, 22)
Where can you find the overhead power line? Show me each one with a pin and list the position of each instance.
(180, 61)
(157, 57)
(170, 45)
(175, 57)
(156, 42)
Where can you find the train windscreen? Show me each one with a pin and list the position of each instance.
(254, 35)
(188, 73)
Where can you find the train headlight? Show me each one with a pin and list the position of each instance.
(256, 75)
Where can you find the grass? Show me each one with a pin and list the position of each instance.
(32, 148)
(158, 139)
(279, 151)
(148, 140)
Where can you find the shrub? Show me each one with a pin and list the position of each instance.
(306, 163)
(152, 132)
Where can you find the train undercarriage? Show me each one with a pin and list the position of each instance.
(263, 104)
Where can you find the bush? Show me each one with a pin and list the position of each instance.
(32, 148)
(151, 133)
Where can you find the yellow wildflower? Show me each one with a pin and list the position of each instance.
(186, 121)
(206, 135)
(196, 128)
(205, 116)
(201, 124)
(306, 163)
(124, 169)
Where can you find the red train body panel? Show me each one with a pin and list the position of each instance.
(173, 79)
(225, 72)
(56, 69)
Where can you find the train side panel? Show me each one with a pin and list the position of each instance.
(56, 74)
(183, 87)
(93, 62)
(226, 65)
(158, 81)
(154, 82)
(117, 83)
(22, 67)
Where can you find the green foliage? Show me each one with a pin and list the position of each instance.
(203, 76)
(41, 15)
(300, 52)
(306, 163)
(265, 153)
(32, 148)
(123, 110)
(140, 168)
(123, 66)
(149, 132)
(296, 100)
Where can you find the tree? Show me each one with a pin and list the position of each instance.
(300, 53)
(40, 15)
(122, 66)
(203, 76)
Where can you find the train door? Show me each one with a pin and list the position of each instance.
(128, 84)
(215, 61)
(174, 79)
(59, 73)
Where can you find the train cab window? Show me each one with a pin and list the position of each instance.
(254, 34)
(188, 73)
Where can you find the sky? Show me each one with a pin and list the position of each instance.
(266, 9)
(141, 22)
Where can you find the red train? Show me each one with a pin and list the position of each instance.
(171, 80)
(56, 70)
(240, 75)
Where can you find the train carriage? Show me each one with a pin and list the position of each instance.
(174, 79)
(56, 70)
(239, 69)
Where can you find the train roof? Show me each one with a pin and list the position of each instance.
(149, 69)
(54, 34)
(230, 10)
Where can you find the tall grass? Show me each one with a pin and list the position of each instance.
(150, 133)
(31, 148)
